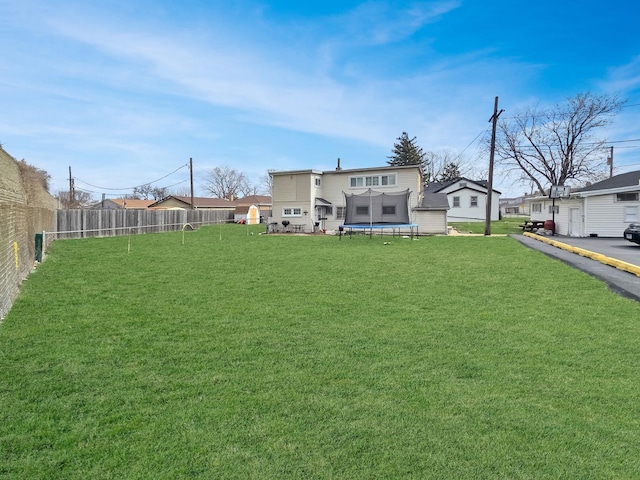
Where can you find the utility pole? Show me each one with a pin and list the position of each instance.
(494, 119)
(71, 192)
(191, 177)
(610, 163)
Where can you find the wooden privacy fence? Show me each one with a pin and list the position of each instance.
(81, 223)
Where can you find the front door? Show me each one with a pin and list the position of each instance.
(574, 222)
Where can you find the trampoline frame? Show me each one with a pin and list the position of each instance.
(380, 226)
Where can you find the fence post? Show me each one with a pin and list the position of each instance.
(38, 247)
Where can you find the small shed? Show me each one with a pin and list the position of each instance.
(431, 214)
(253, 215)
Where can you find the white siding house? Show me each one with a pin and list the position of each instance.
(313, 200)
(467, 199)
(603, 209)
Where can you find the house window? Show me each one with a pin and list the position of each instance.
(372, 180)
(536, 208)
(554, 209)
(626, 197)
(388, 179)
(362, 210)
(389, 210)
(474, 201)
(340, 212)
(318, 181)
(456, 201)
(292, 212)
(630, 214)
(463, 184)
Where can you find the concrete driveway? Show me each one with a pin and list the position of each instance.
(619, 281)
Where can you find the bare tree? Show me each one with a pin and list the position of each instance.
(267, 183)
(183, 191)
(441, 165)
(553, 146)
(249, 189)
(159, 193)
(225, 182)
(143, 192)
(79, 199)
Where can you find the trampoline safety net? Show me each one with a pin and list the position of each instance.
(377, 208)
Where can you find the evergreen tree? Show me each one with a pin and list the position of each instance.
(450, 172)
(406, 152)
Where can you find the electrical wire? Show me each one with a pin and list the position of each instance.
(471, 142)
(605, 144)
(131, 188)
(551, 113)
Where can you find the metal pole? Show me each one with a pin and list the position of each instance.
(71, 195)
(191, 176)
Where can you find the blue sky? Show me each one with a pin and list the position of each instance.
(125, 92)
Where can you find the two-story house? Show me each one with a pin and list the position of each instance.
(312, 200)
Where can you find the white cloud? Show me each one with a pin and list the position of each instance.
(227, 73)
(623, 79)
(377, 23)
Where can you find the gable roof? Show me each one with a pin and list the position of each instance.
(435, 187)
(629, 179)
(198, 202)
(127, 203)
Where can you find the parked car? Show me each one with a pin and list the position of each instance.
(632, 233)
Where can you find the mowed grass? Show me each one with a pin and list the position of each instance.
(504, 226)
(247, 356)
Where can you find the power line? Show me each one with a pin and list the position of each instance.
(177, 183)
(85, 190)
(603, 143)
(471, 142)
(628, 147)
(131, 188)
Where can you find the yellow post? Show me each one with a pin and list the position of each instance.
(15, 252)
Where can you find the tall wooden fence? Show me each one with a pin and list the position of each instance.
(82, 223)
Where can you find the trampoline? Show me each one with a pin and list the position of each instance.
(395, 228)
(378, 211)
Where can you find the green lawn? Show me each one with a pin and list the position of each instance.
(505, 226)
(255, 356)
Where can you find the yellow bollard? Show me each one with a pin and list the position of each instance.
(15, 252)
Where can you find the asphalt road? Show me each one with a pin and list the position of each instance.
(621, 282)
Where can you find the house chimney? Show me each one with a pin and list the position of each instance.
(338, 167)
